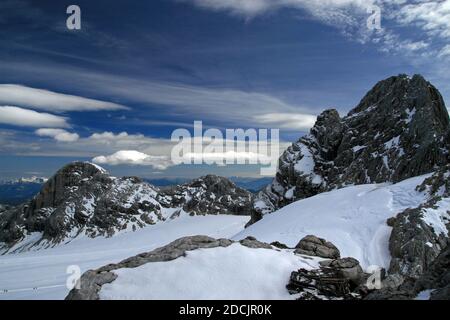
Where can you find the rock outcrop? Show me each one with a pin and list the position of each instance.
(83, 198)
(437, 278)
(400, 129)
(435, 281)
(314, 246)
(4, 208)
(339, 279)
(420, 234)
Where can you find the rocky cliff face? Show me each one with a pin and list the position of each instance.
(83, 198)
(3, 208)
(400, 129)
(420, 234)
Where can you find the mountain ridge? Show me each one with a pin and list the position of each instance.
(83, 199)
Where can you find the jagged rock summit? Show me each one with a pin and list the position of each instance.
(82, 198)
(400, 129)
(210, 194)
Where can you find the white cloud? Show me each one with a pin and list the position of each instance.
(445, 51)
(223, 106)
(104, 143)
(250, 8)
(51, 101)
(350, 16)
(58, 134)
(391, 42)
(133, 157)
(432, 16)
(28, 118)
(125, 141)
(292, 121)
(227, 104)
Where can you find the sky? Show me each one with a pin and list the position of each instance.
(115, 90)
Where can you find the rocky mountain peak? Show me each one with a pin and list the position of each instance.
(397, 93)
(70, 177)
(413, 99)
(213, 183)
(209, 194)
(79, 168)
(400, 129)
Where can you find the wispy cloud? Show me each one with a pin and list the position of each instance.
(222, 105)
(103, 143)
(445, 51)
(21, 117)
(250, 8)
(218, 103)
(291, 121)
(431, 16)
(58, 134)
(350, 17)
(51, 101)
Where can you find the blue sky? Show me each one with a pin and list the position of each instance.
(137, 70)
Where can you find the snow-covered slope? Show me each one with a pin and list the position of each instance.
(353, 218)
(236, 272)
(42, 274)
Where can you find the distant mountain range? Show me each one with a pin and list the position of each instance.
(249, 184)
(14, 192)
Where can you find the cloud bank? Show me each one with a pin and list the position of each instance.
(58, 134)
(51, 101)
(29, 118)
(133, 157)
(290, 121)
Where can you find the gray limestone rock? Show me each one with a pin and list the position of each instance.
(335, 280)
(208, 195)
(314, 246)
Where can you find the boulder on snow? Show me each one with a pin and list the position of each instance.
(348, 268)
(279, 245)
(314, 246)
(336, 279)
(251, 242)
